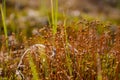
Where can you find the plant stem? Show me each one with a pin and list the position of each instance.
(56, 14)
(3, 14)
(52, 15)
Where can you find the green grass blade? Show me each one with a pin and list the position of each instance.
(52, 15)
(4, 24)
(56, 14)
(69, 64)
(4, 5)
(33, 68)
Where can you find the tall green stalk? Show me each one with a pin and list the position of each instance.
(3, 14)
(54, 14)
(65, 19)
(44, 64)
(33, 68)
(68, 58)
(4, 6)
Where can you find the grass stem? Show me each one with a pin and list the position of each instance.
(3, 14)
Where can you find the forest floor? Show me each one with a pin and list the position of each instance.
(85, 43)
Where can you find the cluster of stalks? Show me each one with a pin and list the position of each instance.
(87, 50)
(87, 55)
